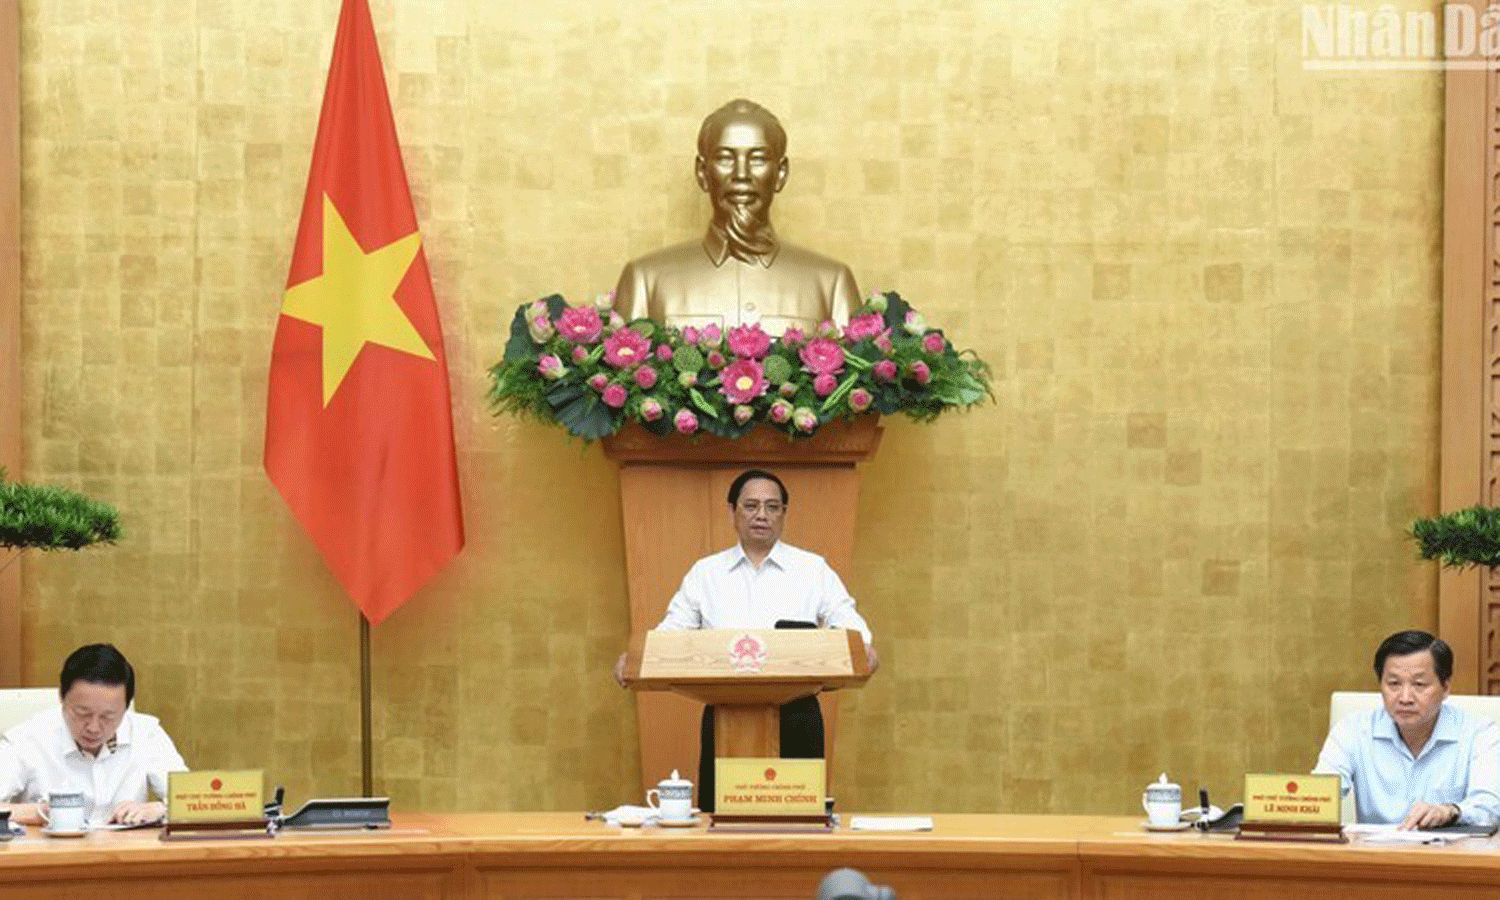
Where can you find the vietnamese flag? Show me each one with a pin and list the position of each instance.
(359, 428)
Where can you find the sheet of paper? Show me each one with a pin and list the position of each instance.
(891, 823)
(1391, 834)
(116, 826)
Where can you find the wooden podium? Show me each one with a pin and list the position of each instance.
(746, 674)
(674, 502)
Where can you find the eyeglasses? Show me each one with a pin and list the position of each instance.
(752, 507)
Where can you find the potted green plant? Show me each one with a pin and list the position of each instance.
(46, 517)
(1468, 537)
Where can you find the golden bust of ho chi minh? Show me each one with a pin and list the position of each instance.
(738, 273)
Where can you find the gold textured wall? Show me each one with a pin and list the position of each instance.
(1207, 281)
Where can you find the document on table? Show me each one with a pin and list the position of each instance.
(1390, 834)
(891, 823)
(118, 826)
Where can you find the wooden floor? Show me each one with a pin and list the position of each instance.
(555, 856)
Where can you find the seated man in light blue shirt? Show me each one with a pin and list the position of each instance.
(1416, 761)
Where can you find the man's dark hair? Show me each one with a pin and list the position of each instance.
(1404, 643)
(750, 475)
(97, 664)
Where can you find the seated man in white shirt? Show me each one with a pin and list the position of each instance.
(1416, 761)
(92, 743)
(762, 583)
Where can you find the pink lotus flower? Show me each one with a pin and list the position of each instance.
(651, 409)
(788, 389)
(742, 414)
(685, 422)
(805, 419)
(933, 342)
(780, 411)
(580, 324)
(598, 380)
(663, 352)
(580, 354)
(625, 348)
(793, 337)
(749, 341)
(645, 376)
(860, 399)
(690, 334)
(883, 342)
(827, 329)
(614, 396)
(914, 323)
(710, 336)
(885, 370)
(605, 301)
(615, 322)
(919, 372)
(743, 381)
(540, 328)
(550, 367)
(861, 327)
(822, 356)
(823, 385)
(715, 360)
(687, 379)
(877, 302)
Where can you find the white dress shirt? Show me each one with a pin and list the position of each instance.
(726, 590)
(1460, 764)
(39, 756)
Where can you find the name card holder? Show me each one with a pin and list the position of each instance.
(211, 805)
(1291, 831)
(1281, 807)
(770, 794)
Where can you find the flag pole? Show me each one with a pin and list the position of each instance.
(366, 760)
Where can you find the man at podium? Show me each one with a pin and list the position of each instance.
(1416, 760)
(762, 583)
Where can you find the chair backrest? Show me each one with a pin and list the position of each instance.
(1342, 703)
(19, 704)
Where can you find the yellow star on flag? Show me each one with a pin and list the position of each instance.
(354, 300)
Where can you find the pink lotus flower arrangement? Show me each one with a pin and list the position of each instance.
(727, 381)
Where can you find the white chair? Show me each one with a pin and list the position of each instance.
(1343, 703)
(19, 704)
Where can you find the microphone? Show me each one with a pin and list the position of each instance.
(273, 809)
(848, 884)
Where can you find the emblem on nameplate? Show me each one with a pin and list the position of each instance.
(747, 653)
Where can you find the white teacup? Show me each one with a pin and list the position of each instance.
(65, 811)
(1163, 803)
(673, 796)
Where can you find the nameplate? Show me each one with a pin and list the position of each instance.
(215, 796)
(767, 786)
(1293, 799)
